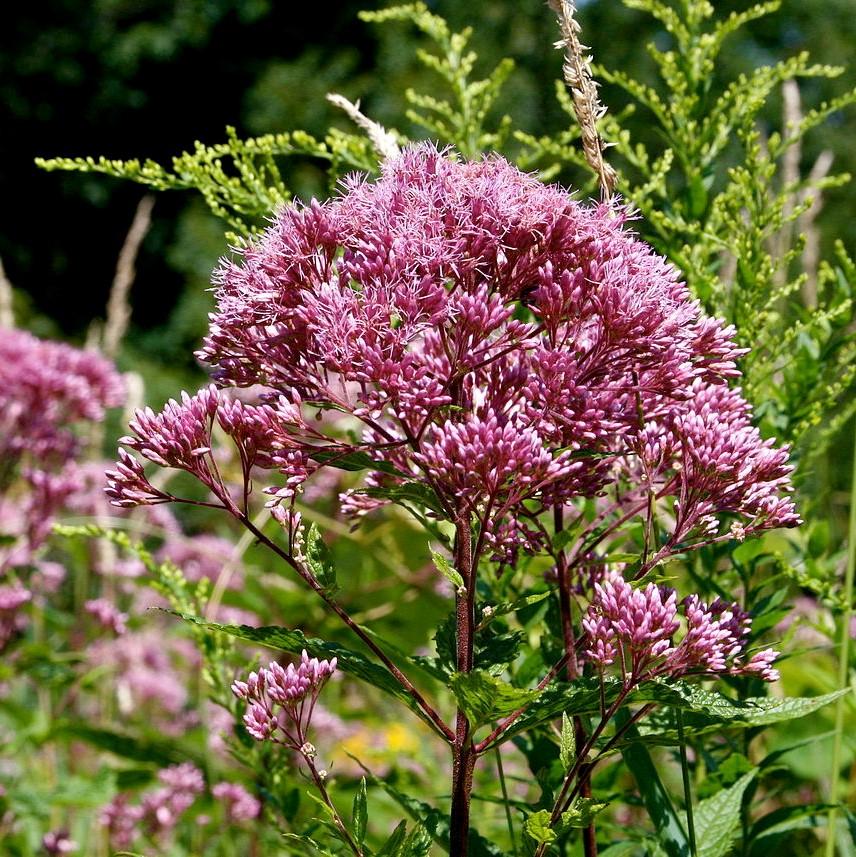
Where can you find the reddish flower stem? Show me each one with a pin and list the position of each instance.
(463, 752)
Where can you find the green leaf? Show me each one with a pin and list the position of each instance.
(505, 607)
(447, 570)
(706, 711)
(620, 849)
(319, 559)
(567, 743)
(418, 843)
(394, 846)
(670, 829)
(360, 814)
(159, 751)
(580, 697)
(582, 812)
(414, 493)
(349, 661)
(717, 818)
(484, 697)
(352, 461)
(785, 819)
(537, 827)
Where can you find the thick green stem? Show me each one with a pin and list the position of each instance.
(843, 665)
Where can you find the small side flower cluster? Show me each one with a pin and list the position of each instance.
(107, 615)
(58, 842)
(158, 812)
(280, 701)
(637, 627)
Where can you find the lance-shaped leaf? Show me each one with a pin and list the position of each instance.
(319, 560)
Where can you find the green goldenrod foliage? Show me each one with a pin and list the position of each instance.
(460, 121)
(240, 180)
(723, 201)
(715, 193)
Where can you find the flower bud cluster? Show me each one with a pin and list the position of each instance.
(280, 700)
(637, 629)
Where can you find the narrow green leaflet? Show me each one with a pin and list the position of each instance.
(582, 812)
(418, 843)
(414, 493)
(447, 570)
(352, 461)
(360, 814)
(670, 829)
(394, 846)
(319, 560)
(505, 607)
(484, 697)
(779, 822)
(717, 819)
(567, 743)
(139, 749)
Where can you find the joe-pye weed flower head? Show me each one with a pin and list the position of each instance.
(497, 341)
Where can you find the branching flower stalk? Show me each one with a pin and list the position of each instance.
(503, 355)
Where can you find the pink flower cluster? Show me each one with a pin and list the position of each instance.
(159, 811)
(47, 390)
(280, 701)
(149, 675)
(107, 615)
(636, 628)
(240, 804)
(500, 343)
(58, 842)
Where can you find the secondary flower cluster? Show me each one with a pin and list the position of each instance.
(159, 811)
(636, 628)
(47, 391)
(496, 341)
(45, 388)
(280, 701)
